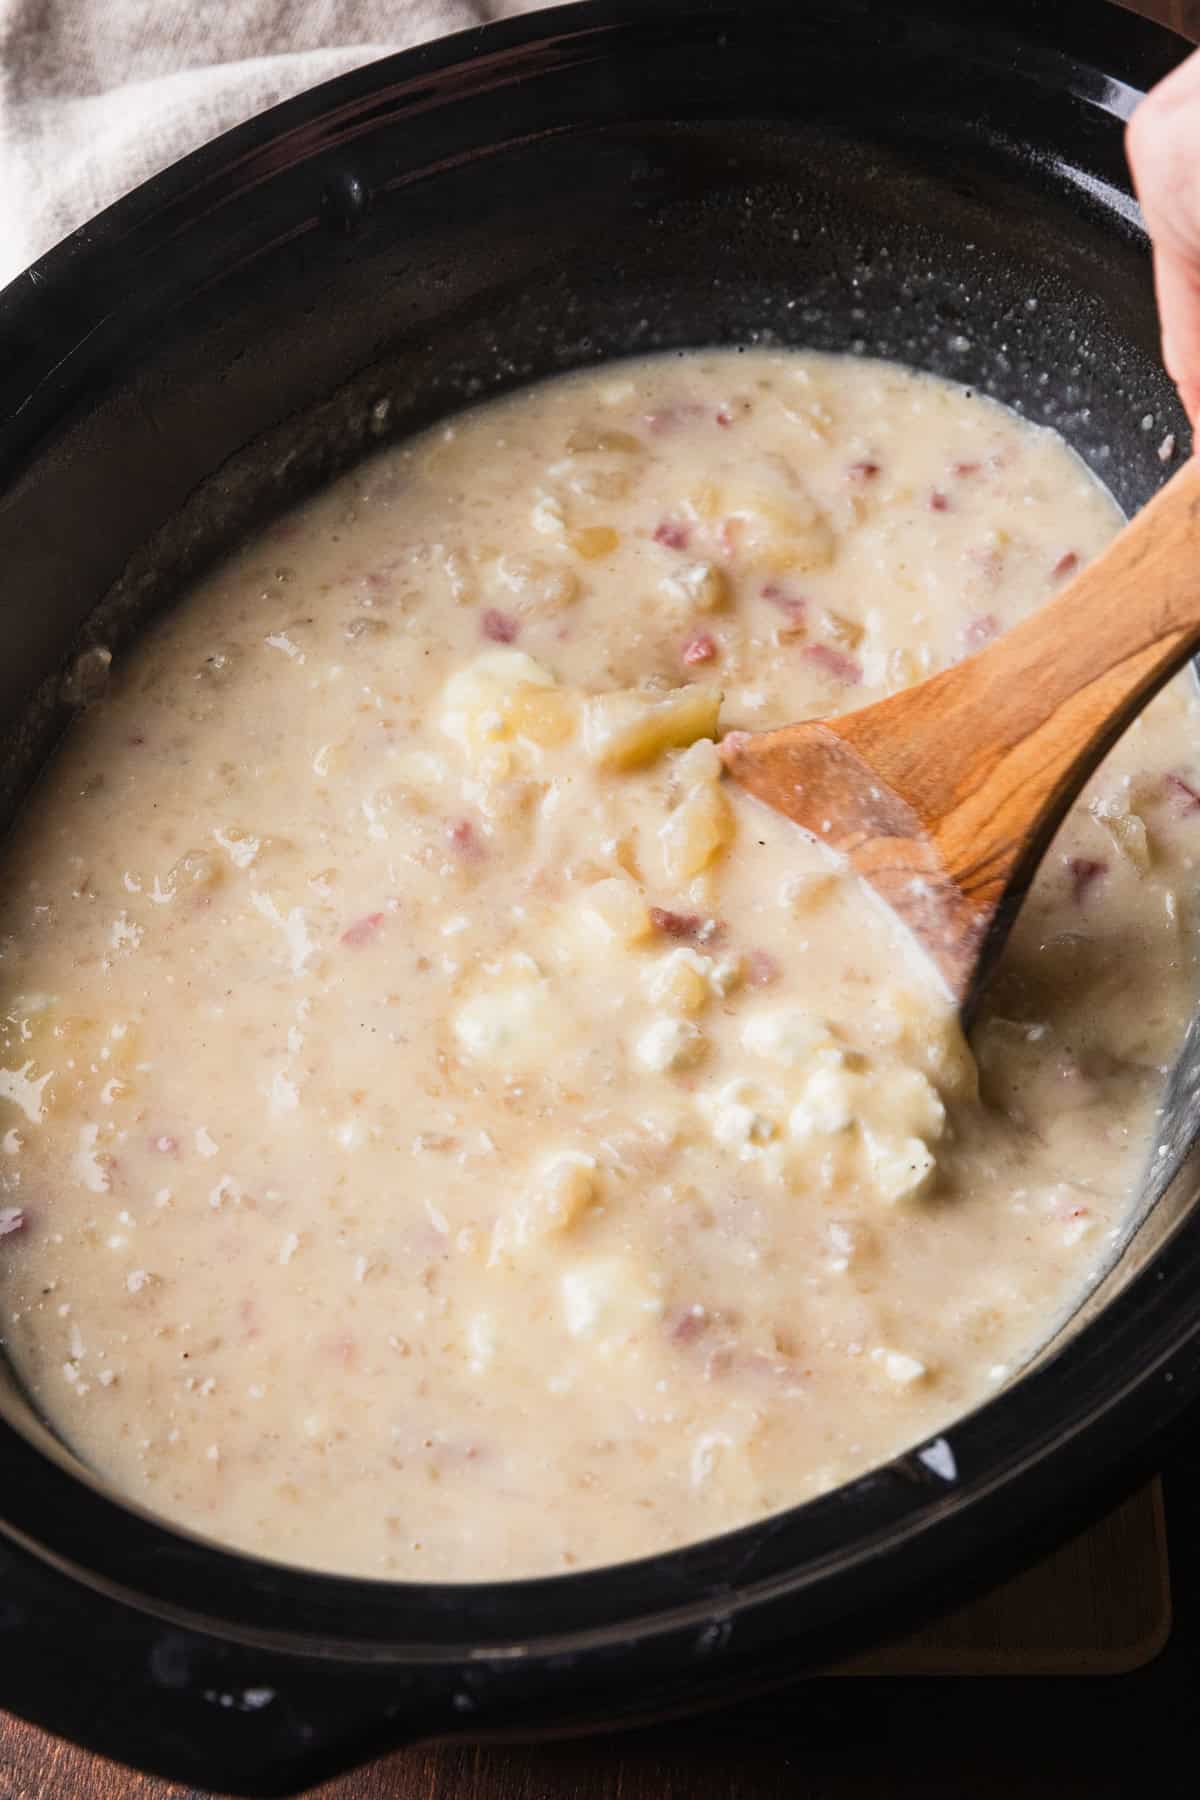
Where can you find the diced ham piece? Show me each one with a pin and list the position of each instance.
(963, 469)
(989, 561)
(1067, 563)
(700, 649)
(362, 930)
(794, 605)
(380, 581)
(670, 418)
(1183, 791)
(776, 595)
(685, 1326)
(343, 1349)
(673, 533)
(762, 968)
(499, 627)
(939, 502)
(724, 416)
(679, 925)
(1083, 870)
(861, 472)
(980, 631)
(718, 1362)
(465, 840)
(12, 1218)
(694, 928)
(834, 663)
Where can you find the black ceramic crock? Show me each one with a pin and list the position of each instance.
(940, 183)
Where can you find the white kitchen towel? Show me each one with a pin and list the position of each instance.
(95, 95)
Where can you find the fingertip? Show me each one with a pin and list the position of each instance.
(1189, 394)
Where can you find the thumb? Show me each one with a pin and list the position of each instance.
(1163, 144)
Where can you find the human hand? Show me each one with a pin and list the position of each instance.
(1163, 146)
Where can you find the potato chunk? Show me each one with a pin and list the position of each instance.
(593, 542)
(901, 1168)
(1126, 828)
(779, 526)
(668, 1044)
(631, 727)
(545, 716)
(616, 910)
(699, 587)
(679, 981)
(695, 832)
(477, 701)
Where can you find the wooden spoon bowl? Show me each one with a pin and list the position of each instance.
(945, 797)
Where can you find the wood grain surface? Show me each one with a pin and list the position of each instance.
(1182, 16)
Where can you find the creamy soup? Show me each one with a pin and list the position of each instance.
(450, 1133)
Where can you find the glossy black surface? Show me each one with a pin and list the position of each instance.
(595, 181)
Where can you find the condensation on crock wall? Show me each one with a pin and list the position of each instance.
(1017, 330)
(1039, 354)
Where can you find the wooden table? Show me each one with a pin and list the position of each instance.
(1181, 15)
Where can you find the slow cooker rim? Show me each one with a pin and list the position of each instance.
(145, 1563)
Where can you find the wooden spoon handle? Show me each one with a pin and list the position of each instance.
(996, 748)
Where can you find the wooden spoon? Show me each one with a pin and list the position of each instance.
(945, 797)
